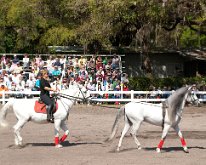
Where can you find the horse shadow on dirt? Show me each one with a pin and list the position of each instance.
(64, 144)
(153, 149)
(172, 149)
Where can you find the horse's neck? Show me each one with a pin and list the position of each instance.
(180, 109)
(67, 103)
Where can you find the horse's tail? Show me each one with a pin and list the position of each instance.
(3, 112)
(120, 113)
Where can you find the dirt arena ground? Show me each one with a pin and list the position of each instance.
(89, 127)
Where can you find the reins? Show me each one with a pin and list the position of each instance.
(84, 99)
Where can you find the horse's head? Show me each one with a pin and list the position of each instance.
(192, 97)
(177, 100)
(79, 91)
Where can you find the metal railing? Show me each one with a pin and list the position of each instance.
(108, 96)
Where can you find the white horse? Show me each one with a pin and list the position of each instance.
(166, 114)
(24, 111)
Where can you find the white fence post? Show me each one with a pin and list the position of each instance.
(132, 95)
(3, 98)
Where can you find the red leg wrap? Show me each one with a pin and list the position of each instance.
(63, 138)
(160, 144)
(183, 141)
(56, 140)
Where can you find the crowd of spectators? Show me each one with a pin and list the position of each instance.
(96, 73)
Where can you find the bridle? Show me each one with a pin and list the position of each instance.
(67, 96)
(194, 98)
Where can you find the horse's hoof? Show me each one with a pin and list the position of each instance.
(3, 124)
(185, 149)
(158, 150)
(117, 149)
(139, 147)
(58, 146)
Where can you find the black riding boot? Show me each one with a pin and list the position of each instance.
(49, 113)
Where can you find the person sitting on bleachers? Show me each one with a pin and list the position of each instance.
(3, 87)
(91, 86)
(15, 59)
(9, 82)
(99, 62)
(37, 83)
(70, 62)
(18, 69)
(57, 63)
(4, 61)
(76, 62)
(56, 73)
(83, 77)
(115, 62)
(30, 83)
(26, 62)
(82, 61)
(35, 70)
(91, 64)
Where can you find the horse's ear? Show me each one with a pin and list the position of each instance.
(190, 88)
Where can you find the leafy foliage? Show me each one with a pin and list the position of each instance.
(30, 26)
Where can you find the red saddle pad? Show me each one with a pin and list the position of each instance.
(40, 107)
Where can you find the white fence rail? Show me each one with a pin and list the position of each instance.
(115, 96)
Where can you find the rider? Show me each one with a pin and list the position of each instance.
(45, 89)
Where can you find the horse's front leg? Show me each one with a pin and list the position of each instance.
(57, 124)
(179, 133)
(66, 131)
(164, 134)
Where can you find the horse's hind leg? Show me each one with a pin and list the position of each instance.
(17, 127)
(125, 130)
(179, 133)
(134, 130)
(66, 131)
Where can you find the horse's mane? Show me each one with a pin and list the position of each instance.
(174, 102)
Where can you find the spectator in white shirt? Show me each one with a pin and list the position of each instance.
(30, 83)
(26, 62)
